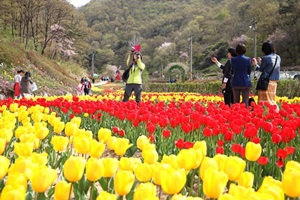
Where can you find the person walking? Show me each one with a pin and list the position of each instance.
(26, 85)
(265, 65)
(86, 86)
(17, 83)
(241, 70)
(134, 82)
(226, 80)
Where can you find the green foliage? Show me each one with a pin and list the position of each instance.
(288, 88)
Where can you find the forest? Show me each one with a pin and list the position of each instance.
(186, 31)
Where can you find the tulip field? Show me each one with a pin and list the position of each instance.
(177, 146)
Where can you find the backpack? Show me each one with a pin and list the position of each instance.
(125, 75)
(86, 85)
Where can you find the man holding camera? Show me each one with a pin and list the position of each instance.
(134, 82)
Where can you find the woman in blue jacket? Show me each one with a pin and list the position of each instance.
(270, 60)
(241, 70)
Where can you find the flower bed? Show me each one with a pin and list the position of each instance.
(54, 148)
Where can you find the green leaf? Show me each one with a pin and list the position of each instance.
(131, 193)
(51, 192)
(103, 183)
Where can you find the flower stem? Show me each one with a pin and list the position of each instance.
(70, 191)
(91, 191)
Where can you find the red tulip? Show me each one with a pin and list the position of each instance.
(263, 160)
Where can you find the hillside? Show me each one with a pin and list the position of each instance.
(51, 77)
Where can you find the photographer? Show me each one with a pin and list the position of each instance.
(226, 85)
(134, 82)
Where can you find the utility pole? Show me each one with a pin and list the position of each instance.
(191, 57)
(93, 64)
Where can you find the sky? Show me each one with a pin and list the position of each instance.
(78, 3)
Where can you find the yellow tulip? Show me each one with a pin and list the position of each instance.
(43, 177)
(214, 183)
(70, 128)
(150, 155)
(106, 196)
(13, 107)
(111, 142)
(13, 192)
(123, 182)
(2, 146)
(143, 172)
(253, 151)
(142, 141)
(234, 167)
(59, 127)
(59, 143)
(246, 179)
(30, 138)
(23, 149)
(171, 176)
(207, 163)
(62, 190)
(39, 158)
(41, 131)
(145, 191)
(158, 170)
(128, 164)
(221, 160)
(21, 130)
(186, 159)
(81, 144)
(104, 134)
(73, 168)
(170, 160)
(6, 134)
(291, 182)
(22, 115)
(37, 116)
(96, 148)
(202, 146)
(121, 146)
(240, 192)
(76, 120)
(4, 163)
(16, 178)
(226, 197)
(94, 169)
(110, 166)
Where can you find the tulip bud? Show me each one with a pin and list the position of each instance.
(59, 143)
(170, 177)
(246, 179)
(73, 168)
(253, 151)
(121, 146)
(4, 163)
(214, 183)
(123, 182)
(43, 177)
(145, 191)
(96, 148)
(143, 172)
(107, 196)
(62, 190)
(110, 166)
(234, 167)
(104, 134)
(94, 169)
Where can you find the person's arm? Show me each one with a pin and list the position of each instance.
(227, 72)
(215, 60)
(140, 64)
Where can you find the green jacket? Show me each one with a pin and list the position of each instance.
(135, 75)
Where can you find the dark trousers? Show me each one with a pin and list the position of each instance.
(228, 97)
(245, 91)
(137, 88)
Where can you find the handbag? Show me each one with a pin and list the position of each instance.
(263, 82)
(125, 75)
